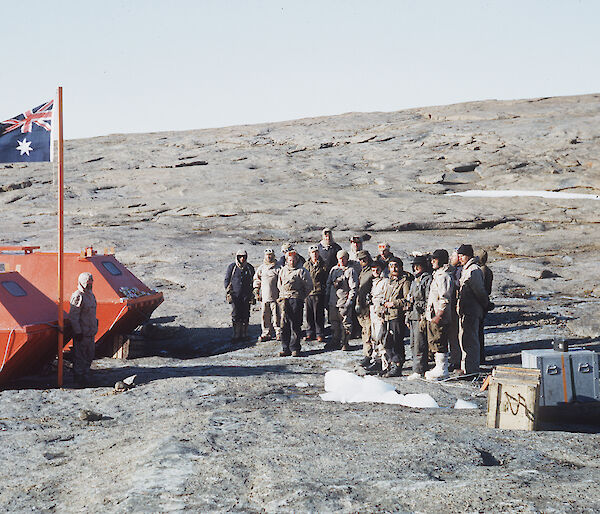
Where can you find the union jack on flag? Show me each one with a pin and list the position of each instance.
(27, 137)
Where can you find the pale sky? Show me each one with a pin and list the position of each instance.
(146, 66)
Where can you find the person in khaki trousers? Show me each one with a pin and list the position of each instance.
(82, 315)
(266, 292)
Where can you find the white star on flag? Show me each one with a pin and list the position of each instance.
(24, 146)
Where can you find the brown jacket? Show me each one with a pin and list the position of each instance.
(396, 291)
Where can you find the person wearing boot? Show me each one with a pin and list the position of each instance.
(373, 362)
(362, 310)
(488, 279)
(395, 303)
(342, 286)
(419, 292)
(315, 301)
(473, 303)
(266, 292)
(294, 284)
(438, 313)
(455, 357)
(239, 293)
(82, 315)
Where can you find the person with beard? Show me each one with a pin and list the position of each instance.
(384, 256)
(238, 286)
(395, 303)
(419, 291)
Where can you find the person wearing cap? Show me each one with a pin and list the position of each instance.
(266, 292)
(285, 248)
(363, 298)
(439, 313)
(488, 279)
(417, 297)
(473, 303)
(328, 249)
(82, 315)
(294, 284)
(342, 286)
(315, 301)
(238, 286)
(384, 256)
(356, 245)
(396, 304)
(373, 364)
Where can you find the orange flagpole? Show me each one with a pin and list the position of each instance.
(61, 321)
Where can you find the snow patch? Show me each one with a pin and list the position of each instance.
(509, 193)
(463, 404)
(342, 386)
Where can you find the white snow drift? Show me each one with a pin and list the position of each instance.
(508, 193)
(345, 387)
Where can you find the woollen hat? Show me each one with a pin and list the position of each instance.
(441, 255)
(465, 250)
(363, 255)
(342, 253)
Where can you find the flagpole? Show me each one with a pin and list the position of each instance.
(61, 323)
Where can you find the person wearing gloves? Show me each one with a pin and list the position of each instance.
(82, 315)
(266, 292)
(439, 313)
(419, 291)
(294, 284)
(238, 288)
(473, 303)
(342, 287)
(315, 301)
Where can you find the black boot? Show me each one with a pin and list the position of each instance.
(394, 371)
(374, 368)
(365, 362)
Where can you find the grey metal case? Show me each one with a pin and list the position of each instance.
(586, 380)
(556, 383)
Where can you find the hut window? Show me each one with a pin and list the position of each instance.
(111, 268)
(13, 288)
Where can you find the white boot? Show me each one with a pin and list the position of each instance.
(440, 372)
(414, 376)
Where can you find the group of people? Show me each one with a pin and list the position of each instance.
(443, 301)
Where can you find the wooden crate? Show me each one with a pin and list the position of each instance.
(513, 398)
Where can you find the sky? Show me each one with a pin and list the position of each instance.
(148, 66)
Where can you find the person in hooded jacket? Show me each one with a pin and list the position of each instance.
(488, 279)
(239, 293)
(266, 292)
(82, 315)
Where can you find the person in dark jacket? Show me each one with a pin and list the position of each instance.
(488, 279)
(328, 249)
(239, 293)
(417, 297)
(315, 301)
(385, 256)
(363, 303)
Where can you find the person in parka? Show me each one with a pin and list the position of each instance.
(417, 298)
(315, 301)
(363, 300)
(440, 303)
(488, 279)
(342, 286)
(395, 303)
(294, 285)
(473, 303)
(266, 292)
(82, 315)
(377, 312)
(238, 292)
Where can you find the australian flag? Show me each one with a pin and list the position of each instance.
(27, 137)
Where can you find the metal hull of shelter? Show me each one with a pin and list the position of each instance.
(123, 301)
(28, 327)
